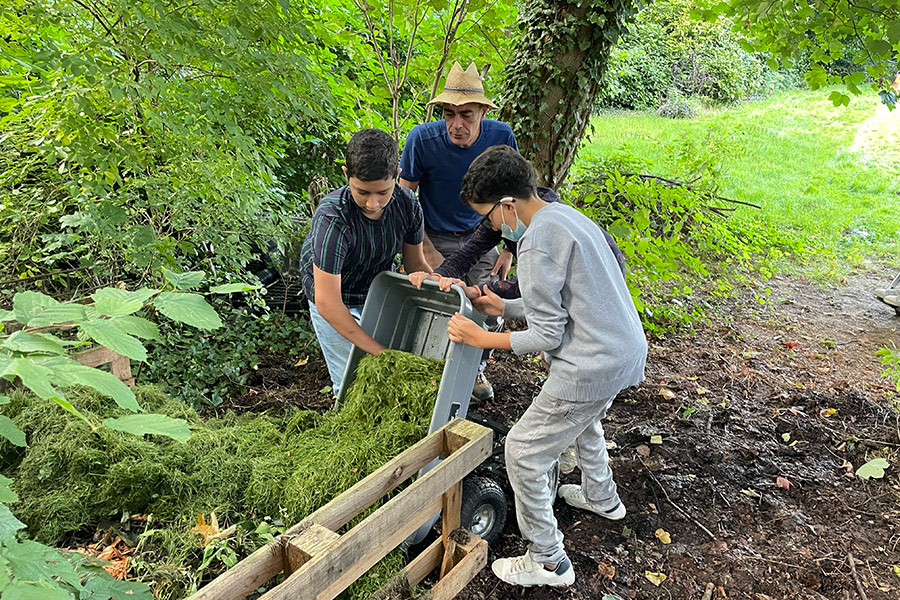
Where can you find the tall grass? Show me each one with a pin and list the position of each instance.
(828, 176)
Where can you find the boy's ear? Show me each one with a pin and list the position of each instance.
(399, 170)
(344, 169)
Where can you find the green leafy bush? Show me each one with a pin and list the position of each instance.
(677, 108)
(890, 358)
(668, 49)
(203, 368)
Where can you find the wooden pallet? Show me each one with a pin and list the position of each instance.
(119, 366)
(319, 563)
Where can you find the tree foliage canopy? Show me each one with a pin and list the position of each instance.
(867, 32)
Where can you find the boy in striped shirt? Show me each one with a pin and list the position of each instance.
(356, 232)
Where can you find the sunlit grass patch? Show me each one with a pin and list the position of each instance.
(826, 176)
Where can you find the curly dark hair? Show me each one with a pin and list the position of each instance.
(372, 155)
(498, 172)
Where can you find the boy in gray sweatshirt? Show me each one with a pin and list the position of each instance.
(581, 317)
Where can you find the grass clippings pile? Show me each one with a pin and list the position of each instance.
(241, 467)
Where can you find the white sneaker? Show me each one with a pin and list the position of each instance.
(567, 461)
(573, 496)
(524, 571)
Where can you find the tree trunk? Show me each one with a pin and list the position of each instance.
(554, 74)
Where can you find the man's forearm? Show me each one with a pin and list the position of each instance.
(344, 323)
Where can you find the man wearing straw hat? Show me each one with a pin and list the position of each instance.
(435, 159)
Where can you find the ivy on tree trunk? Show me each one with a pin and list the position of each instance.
(554, 74)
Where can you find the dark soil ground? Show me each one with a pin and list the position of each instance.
(789, 390)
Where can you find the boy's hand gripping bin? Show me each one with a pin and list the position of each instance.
(400, 317)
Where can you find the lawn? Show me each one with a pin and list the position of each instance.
(830, 176)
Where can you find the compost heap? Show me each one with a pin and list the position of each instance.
(71, 478)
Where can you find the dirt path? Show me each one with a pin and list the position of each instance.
(791, 390)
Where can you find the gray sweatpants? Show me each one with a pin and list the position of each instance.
(548, 427)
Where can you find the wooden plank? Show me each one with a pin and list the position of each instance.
(326, 575)
(97, 356)
(426, 562)
(464, 571)
(402, 584)
(451, 502)
(121, 368)
(301, 548)
(247, 576)
(361, 496)
(457, 433)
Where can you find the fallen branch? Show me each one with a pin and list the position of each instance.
(678, 508)
(859, 587)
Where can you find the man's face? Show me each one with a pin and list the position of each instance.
(372, 196)
(464, 122)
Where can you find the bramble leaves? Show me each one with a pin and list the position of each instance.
(101, 588)
(6, 493)
(176, 429)
(39, 310)
(191, 309)
(9, 525)
(184, 281)
(15, 436)
(67, 372)
(113, 302)
(137, 326)
(230, 288)
(41, 343)
(105, 333)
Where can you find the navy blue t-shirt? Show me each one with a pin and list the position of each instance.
(430, 158)
(343, 241)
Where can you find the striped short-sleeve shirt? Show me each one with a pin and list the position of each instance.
(343, 241)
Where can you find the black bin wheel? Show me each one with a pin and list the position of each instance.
(483, 509)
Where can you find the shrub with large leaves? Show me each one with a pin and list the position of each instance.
(41, 362)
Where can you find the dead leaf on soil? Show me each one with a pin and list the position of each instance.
(606, 570)
(702, 390)
(666, 393)
(827, 412)
(301, 362)
(119, 562)
(643, 451)
(656, 439)
(783, 483)
(653, 508)
(751, 493)
(663, 536)
(207, 530)
(655, 578)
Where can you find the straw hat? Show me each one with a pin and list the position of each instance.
(463, 87)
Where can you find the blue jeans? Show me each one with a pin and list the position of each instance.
(548, 427)
(335, 347)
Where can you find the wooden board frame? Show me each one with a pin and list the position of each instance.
(319, 563)
(119, 365)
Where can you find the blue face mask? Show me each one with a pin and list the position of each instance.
(507, 232)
